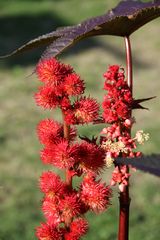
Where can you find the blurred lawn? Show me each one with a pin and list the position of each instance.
(20, 166)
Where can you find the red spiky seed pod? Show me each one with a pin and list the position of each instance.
(73, 85)
(78, 228)
(46, 97)
(50, 208)
(52, 71)
(51, 132)
(70, 207)
(51, 185)
(95, 195)
(61, 155)
(47, 232)
(90, 157)
(85, 110)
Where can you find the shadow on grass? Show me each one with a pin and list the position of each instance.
(17, 30)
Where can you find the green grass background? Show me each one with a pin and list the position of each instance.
(20, 166)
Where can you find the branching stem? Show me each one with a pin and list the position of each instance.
(124, 198)
(66, 130)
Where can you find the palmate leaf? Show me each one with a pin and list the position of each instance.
(35, 43)
(136, 103)
(123, 20)
(150, 164)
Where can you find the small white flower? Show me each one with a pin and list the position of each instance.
(141, 137)
(109, 160)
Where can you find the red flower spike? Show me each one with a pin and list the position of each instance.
(118, 102)
(47, 98)
(85, 110)
(73, 85)
(51, 71)
(116, 176)
(95, 195)
(120, 176)
(122, 110)
(47, 232)
(113, 74)
(112, 132)
(51, 185)
(110, 116)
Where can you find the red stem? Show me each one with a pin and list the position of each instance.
(124, 198)
(124, 201)
(66, 130)
(129, 62)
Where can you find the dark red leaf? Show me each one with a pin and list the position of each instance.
(92, 140)
(136, 103)
(150, 164)
(123, 20)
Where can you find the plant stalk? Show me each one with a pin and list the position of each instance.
(124, 198)
(129, 62)
(66, 130)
